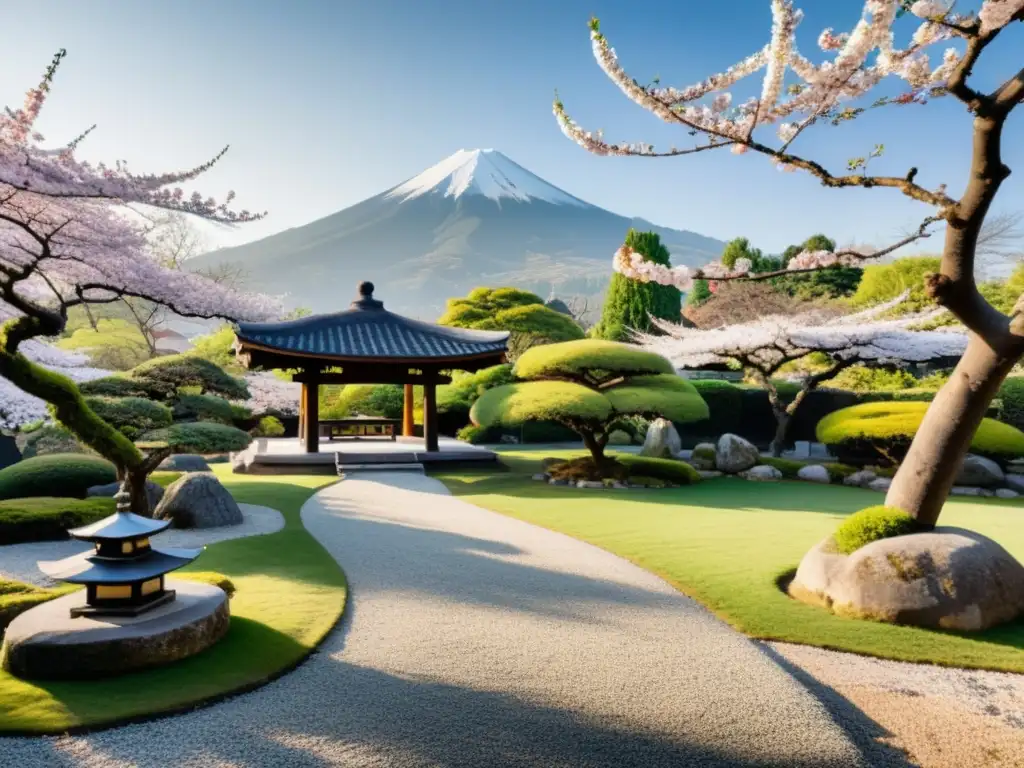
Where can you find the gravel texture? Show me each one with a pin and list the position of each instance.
(18, 561)
(942, 717)
(472, 639)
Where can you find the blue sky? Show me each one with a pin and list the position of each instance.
(327, 103)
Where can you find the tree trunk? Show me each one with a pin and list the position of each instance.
(929, 470)
(782, 418)
(92, 319)
(594, 445)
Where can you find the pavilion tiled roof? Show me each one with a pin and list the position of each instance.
(368, 331)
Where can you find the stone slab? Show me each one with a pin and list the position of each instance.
(46, 643)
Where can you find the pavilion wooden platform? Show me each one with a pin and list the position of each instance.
(288, 456)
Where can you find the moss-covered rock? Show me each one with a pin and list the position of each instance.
(871, 524)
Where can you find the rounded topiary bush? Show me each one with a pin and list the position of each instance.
(121, 386)
(881, 433)
(200, 437)
(132, 416)
(50, 439)
(173, 372)
(45, 518)
(203, 408)
(620, 437)
(65, 474)
(871, 524)
(269, 426)
(669, 470)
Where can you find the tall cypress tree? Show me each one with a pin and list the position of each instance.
(630, 303)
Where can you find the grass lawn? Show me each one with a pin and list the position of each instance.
(725, 542)
(290, 593)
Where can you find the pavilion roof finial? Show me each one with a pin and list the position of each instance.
(366, 300)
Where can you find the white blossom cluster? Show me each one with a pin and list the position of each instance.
(269, 393)
(771, 341)
(862, 58)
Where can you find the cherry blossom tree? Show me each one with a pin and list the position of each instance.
(833, 92)
(269, 393)
(763, 346)
(71, 235)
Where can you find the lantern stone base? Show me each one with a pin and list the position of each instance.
(45, 643)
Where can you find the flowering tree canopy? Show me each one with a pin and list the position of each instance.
(18, 408)
(267, 393)
(73, 233)
(833, 91)
(763, 346)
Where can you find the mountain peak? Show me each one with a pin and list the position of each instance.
(484, 172)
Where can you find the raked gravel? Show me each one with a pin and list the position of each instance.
(18, 561)
(475, 640)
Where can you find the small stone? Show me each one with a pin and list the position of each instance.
(814, 473)
(880, 484)
(762, 473)
(862, 479)
(662, 440)
(1006, 493)
(703, 456)
(734, 454)
(509, 439)
(979, 472)
(589, 484)
(709, 474)
(198, 500)
(1016, 482)
(184, 462)
(962, 490)
(557, 481)
(543, 476)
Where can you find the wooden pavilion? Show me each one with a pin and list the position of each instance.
(366, 344)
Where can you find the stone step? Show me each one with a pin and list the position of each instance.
(346, 469)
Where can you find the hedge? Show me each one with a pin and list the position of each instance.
(132, 416)
(48, 519)
(67, 474)
(200, 437)
(882, 432)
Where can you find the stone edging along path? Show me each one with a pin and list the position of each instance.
(474, 639)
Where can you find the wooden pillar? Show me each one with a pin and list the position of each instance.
(430, 416)
(311, 416)
(408, 420)
(302, 413)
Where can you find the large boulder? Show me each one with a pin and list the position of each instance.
(184, 462)
(979, 472)
(662, 440)
(814, 473)
(198, 500)
(154, 492)
(949, 578)
(734, 454)
(703, 456)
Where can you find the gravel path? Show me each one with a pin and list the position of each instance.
(18, 561)
(476, 640)
(943, 717)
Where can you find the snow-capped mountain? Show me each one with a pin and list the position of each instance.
(475, 218)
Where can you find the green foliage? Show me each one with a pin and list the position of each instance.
(473, 434)
(269, 426)
(512, 404)
(699, 293)
(121, 386)
(72, 474)
(861, 378)
(131, 416)
(725, 406)
(669, 470)
(872, 524)
(44, 518)
(51, 438)
(115, 344)
(212, 578)
(740, 248)
(467, 387)
(573, 359)
(367, 400)
(884, 282)
(665, 395)
(218, 348)
(1011, 394)
(788, 467)
(201, 437)
(632, 304)
(883, 432)
(170, 373)
(203, 408)
(619, 437)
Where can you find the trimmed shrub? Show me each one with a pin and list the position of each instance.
(474, 434)
(1011, 396)
(725, 407)
(122, 386)
(367, 399)
(48, 519)
(269, 426)
(882, 433)
(871, 524)
(201, 437)
(131, 416)
(575, 358)
(173, 372)
(50, 439)
(619, 437)
(209, 577)
(203, 408)
(71, 474)
(838, 472)
(788, 467)
(669, 470)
